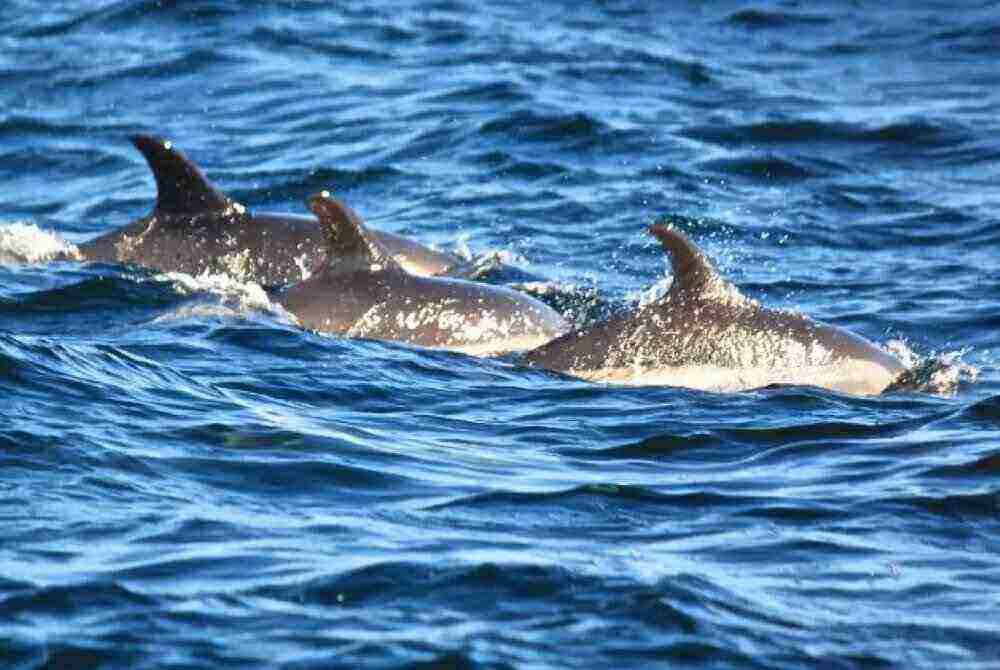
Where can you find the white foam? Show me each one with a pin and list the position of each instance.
(22, 242)
(537, 288)
(901, 350)
(238, 296)
(953, 371)
(647, 296)
(302, 262)
(462, 249)
(937, 373)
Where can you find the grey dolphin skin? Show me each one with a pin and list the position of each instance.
(194, 228)
(705, 335)
(365, 293)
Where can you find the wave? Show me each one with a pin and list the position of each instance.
(724, 446)
(22, 242)
(762, 18)
(503, 91)
(317, 44)
(93, 294)
(524, 586)
(239, 297)
(75, 599)
(187, 63)
(636, 65)
(913, 133)
(127, 13)
(986, 411)
(159, 299)
(597, 499)
(531, 126)
(768, 168)
(297, 185)
(973, 505)
(984, 465)
(672, 620)
(17, 126)
(978, 39)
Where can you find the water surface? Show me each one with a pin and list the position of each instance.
(189, 480)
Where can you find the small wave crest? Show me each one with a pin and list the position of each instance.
(237, 297)
(22, 242)
(753, 18)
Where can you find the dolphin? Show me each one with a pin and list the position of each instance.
(704, 334)
(195, 228)
(362, 291)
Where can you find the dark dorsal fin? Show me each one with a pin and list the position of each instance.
(349, 245)
(181, 188)
(693, 272)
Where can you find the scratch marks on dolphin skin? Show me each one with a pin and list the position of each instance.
(455, 326)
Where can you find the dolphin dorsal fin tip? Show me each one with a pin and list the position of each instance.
(181, 188)
(692, 269)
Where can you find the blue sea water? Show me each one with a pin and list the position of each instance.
(189, 480)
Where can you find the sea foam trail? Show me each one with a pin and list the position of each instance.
(22, 242)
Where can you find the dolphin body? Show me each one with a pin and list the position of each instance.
(362, 291)
(194, 228)
(704, 334)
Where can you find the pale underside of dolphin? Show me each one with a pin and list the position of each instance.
(704, 334)
(194, 228)
(365, 293)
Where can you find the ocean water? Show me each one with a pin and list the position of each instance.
(188, 480)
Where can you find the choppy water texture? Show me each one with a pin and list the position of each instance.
(189, 480)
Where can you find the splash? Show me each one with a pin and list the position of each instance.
(490, 261)
(939, 374)
(237, 297)
(647, 296)
(22, 242)
(580, 305)
(462, 248)
(302, 262)
(717, 288)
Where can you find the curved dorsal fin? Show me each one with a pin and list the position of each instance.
(349, 245)
(693, 272)
(181, 188)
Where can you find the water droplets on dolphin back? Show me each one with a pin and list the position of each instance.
(703, 333)
(364, 293)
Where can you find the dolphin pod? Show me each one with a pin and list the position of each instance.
(705, 334)
(195, 228)
(363, 292)
(335, 275)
